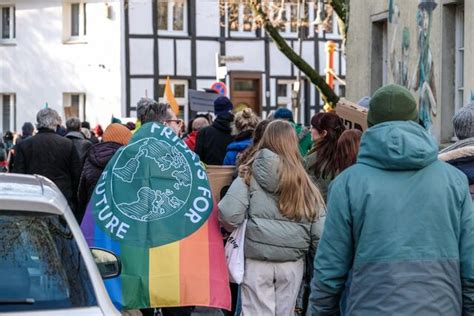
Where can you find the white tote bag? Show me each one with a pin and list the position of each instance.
(234, 253)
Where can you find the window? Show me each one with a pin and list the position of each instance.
(74, 105)
(172, 16)
(245, 85)
(452, 66)
(180, 92)
(285, 93)
(379, 57)
(75, 21)
(282, 90)
(340, 88)
(7, 23)
(286, 16)
(240, 19)
(7, 112)
(41, 267)
(459, 58)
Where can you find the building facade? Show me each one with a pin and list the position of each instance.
(424, 45)
(95, 59)
(66, 55)
(181, 39)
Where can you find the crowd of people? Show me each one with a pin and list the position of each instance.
(385, 218)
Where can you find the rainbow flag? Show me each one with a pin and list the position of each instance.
(153, 208)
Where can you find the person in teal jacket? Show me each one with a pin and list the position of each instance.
(399, 221)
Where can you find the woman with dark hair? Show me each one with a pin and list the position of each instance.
(326, 128)
(347, 149)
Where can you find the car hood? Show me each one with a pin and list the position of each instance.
(89, 311)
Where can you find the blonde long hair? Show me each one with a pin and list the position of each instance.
(299, 198)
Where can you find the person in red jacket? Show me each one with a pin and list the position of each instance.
(198, 124)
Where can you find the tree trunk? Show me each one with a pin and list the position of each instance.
(328, 94)
(341, 7)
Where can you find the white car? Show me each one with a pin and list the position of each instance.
(46, 267)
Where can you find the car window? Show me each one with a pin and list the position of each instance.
(41, 266)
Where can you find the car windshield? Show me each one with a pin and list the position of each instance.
(41, 266)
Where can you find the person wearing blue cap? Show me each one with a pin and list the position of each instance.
(303, 133)
(212, 141)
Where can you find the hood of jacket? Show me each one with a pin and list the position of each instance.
(240, 145)
(397, 145)
(265, 170)
(224, 122)
(245, 135)
(459, 144)
(463, 159)
(77, 135)
(463, 152)
(100, 154)
(241, 142)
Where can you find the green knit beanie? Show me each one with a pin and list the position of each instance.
(392, 103)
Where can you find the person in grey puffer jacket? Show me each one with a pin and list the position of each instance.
(283, 225)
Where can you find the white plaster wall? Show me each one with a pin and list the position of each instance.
(263, 95)
(140, 16)
(308, 53)
(183, 54)
(206, 54)
(204, 84)
(165, 57)
(141, 61)
(312, 95)
(140, 88)
(40, 68)
(322, 57)
(207, 18)
(252, 51)
(273, 100)
(279, 64)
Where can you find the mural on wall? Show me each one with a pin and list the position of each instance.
(399, 66)
(423, 80)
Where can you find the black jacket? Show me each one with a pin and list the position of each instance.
(81, 144)
(96, 161)
(11, 163)
(52, 156)
(212, 141)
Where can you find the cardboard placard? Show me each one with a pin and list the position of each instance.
(219, 177)
(354, 115)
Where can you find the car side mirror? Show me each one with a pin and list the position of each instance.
(108, 263)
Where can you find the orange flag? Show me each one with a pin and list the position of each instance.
(170, 97)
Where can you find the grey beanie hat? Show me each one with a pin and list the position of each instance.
(463, 122)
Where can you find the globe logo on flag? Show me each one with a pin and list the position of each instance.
(153, 192)
(143, 201)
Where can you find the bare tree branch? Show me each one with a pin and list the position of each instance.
(342, 8)
(328, 94)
